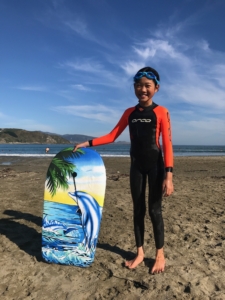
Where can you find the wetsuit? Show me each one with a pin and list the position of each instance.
(145, 126)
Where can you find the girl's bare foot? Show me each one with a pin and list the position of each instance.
(159, 265)
(131, 264)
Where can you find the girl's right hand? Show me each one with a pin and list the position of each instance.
(85, 144)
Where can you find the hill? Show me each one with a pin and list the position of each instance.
(12, 135)
(80, 138)
(77, 138)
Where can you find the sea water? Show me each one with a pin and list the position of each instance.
(111, 150)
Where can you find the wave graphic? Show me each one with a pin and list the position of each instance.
(63, 239)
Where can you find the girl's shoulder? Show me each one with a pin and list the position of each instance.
(161, 108)
(129, 110)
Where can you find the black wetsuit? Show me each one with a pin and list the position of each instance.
(147, 164)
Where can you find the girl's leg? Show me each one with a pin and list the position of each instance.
(155, 179)
(137, 186)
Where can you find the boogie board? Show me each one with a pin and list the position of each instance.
(73, 202)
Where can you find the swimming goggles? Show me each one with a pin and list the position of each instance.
(149, 75)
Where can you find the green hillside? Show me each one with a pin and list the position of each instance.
(11, 135)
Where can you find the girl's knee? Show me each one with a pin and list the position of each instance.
(155, 213)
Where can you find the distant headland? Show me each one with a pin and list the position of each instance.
(21, 136)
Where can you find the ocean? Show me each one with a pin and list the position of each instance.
(114, 150)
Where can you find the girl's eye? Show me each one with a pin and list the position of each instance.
(139, 86)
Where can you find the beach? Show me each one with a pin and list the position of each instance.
(194, 237)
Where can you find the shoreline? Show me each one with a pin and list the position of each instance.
(194, 237)
(107, 155)
(14, 159)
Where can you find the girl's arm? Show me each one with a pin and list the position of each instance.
(110, 137)
(168, 153)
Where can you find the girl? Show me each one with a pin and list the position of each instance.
(146, 121)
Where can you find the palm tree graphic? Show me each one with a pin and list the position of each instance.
(60, 168)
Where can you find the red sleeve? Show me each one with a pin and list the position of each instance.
(165, 128)
(117, 130)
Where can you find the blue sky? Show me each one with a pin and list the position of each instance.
(67, 66)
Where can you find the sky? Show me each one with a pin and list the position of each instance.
(67, 66)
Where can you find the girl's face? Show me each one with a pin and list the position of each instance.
(144, 90)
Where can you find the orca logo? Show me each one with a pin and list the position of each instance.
(141, 120)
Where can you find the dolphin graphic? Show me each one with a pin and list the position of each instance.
(91, 214)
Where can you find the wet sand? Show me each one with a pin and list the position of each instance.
(194, 237)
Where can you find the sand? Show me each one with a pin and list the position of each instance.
(194, 237)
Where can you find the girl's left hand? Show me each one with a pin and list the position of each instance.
(85, 144)
(167, 187)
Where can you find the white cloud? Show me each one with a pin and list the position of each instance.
(153, 46)
(203, 45)
(198, 93)
(60, 17)
(131, 67)
(78, 26)
(96, 112)
(28, 124)
(86, 66)
(158, 52)
(92, 72)
(80, 87)
(32, 88)
(207, 131)
(145, 53)
(217, 73)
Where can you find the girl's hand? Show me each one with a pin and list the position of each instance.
(168, 185)
(85, 144)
